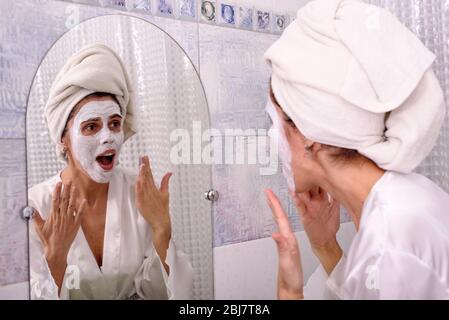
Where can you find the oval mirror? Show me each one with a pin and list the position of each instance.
(106, 247)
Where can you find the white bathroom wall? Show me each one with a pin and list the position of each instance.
(15, 291)
(248, 270)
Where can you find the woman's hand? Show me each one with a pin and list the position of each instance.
(320, 218)
(290, 275)
(321, 221)
(153, 202)
(153, 205)
(59, 230)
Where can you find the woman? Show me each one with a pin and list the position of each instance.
(100, 231)
(357, 107)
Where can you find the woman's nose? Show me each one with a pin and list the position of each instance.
(107, 136)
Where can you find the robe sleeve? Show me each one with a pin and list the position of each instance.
(153, 282)
(392, 275)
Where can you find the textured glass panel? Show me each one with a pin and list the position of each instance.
(169, 95)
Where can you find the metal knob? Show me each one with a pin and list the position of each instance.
(28, 213)
(211, 195)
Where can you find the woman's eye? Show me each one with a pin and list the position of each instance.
(90, 127)
(115, 124)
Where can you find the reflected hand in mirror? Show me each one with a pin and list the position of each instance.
(153, 204)
(58, 232)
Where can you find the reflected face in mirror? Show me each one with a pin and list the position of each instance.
(93, 136)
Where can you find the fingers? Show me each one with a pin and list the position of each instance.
(138, 187)
(39, 224)
(80, 212)
(281, 242)
(165, 181)
(335, 208)
(65, 199)
(55, 201)
(335, 203)
(280, 216)
(145, 169)
(305, 196)
(71, 209)
(38, 221)
(314, 192)
(299, 204)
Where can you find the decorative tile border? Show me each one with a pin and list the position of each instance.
(224, 13)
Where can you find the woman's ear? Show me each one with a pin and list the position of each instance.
(312, 147)
(64, 144)
(309, 145)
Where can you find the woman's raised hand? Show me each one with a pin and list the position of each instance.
(319, 216)
(321, 221)
(153, 205)
(153, 202)
(59, 230)
(290, 275)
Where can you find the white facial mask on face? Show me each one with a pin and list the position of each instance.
(86, 149)
(277, 133)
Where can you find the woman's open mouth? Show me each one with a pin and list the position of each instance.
(106, 160)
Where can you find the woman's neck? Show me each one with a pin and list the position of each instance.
(86, 187)
(350, 185)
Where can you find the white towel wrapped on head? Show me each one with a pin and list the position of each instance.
(95, 68)
(350, 75)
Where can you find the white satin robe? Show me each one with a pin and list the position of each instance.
(131, 268)
(401, 250)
